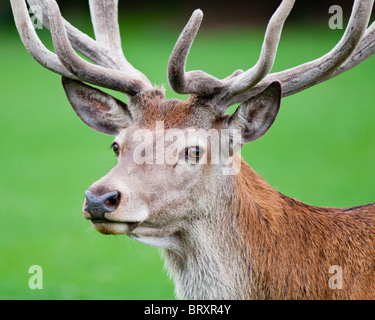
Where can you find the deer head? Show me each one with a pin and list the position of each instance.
(155, 197)
(166, 178)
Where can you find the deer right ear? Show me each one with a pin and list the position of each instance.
(97, 109)
(256, 115)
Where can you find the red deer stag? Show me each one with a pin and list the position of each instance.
(225, 236)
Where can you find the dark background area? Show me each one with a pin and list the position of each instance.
(219, 12)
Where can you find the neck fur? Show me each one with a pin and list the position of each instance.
(255, 243)
(216, 260)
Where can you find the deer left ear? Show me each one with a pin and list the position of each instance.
(97, 109)
(256, 115)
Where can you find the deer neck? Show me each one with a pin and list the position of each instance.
(216, 259)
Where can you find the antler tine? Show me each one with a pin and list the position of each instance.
(252, 76)
(197, 82)
(201, 83)
(98, 75)
(80, 41)
(107, 50)
(66, 62)
(354, 47)
(32, 43)
(107, 33)
(365, 49)
(104, 17)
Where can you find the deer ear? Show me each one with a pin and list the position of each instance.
(256, 115)
(97, 109)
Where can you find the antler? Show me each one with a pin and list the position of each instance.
(111, 70)
(354, 47)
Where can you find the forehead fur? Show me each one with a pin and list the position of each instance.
(193, 112)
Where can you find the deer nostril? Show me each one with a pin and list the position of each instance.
(112, 201)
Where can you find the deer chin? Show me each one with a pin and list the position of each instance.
(153, 237)
(109, 227)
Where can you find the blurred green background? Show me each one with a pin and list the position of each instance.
(321, 149)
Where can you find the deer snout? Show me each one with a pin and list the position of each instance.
(114, 209)
(95, 207)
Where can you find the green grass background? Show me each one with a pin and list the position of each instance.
(320, 150)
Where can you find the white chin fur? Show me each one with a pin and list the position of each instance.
(158, 242)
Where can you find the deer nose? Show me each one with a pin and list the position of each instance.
(97, 207)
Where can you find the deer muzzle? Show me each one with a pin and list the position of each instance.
(97, 207)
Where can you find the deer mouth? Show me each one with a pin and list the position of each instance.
(109, 215)
(113, 227)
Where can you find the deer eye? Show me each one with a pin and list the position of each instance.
(193, 153)
(116, 149)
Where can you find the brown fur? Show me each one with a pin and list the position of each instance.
(153, 106)
(291, 245)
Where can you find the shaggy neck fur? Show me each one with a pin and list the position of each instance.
(260, 244)
(216, 261)
(208, 265)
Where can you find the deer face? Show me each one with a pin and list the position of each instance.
(171, 156)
